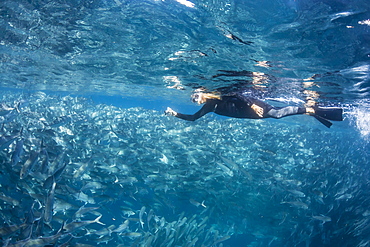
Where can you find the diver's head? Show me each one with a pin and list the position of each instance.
(198, 98)
(201, 98)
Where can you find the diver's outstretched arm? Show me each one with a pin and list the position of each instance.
(203, 111)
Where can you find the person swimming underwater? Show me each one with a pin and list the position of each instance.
(239, 105)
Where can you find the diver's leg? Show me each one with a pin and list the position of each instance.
(286, 111)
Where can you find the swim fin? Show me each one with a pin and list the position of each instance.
(324, 114)
(330, 113)
(322, 120)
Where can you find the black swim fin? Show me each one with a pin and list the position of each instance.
(322, 120)
(324, 114)
(330, 113)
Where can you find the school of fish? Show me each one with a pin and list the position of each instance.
(75, 173)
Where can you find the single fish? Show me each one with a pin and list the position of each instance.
(71, 227)
(164, 159)
(81, 170)
(18, 152)
(344, 197)
(56, 165)
(322, 218)
(54, 177)
(297, 193)
(83, 210)
(141, 213)
(4, 109)
(296, 204)
(122, 227)
(197, 204)
(225, 169)
(150, 216)
(49, 205)
(5, 141)
(131, 234)
(8, 230)
(231, 164)
(29, 164)
(9, 200)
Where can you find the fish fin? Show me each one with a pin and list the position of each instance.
(97, 220)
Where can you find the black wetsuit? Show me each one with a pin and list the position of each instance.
(239, 106)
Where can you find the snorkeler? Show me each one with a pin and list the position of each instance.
(239, 105)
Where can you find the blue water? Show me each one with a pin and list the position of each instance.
(85, 83)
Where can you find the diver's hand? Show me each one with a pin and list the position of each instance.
(258, 110)
(170, 112)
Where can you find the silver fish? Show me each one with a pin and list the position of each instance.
(8, 199)
(297, 193)
(122, 227)
(8, 230)
(83, 210)
(54, 177)
(322, 218)
(29, 164)
(5, 141)
(49, 205)
(71, 227)
(18, 152)
(141, 213)
(296, 204)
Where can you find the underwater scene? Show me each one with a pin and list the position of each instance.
(89, 158)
